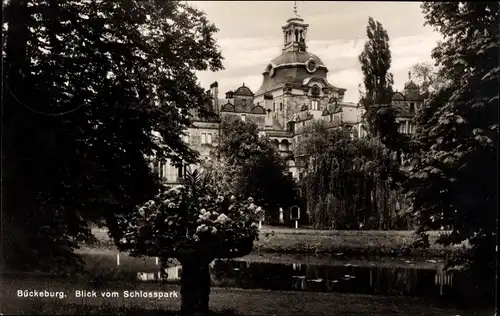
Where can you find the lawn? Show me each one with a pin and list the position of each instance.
(222, 300)
(349, 244)
(103, 274)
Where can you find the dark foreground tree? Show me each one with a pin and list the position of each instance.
(255, 166)
(194, 224)
(455, 180)
(85, 84)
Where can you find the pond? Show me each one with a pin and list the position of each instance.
(360, 277)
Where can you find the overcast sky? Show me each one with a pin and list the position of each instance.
(250, 36)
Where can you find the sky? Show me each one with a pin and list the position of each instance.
(250, 36)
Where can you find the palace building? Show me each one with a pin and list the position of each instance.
(295, 92)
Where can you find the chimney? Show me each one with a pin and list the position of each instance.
(214, 92)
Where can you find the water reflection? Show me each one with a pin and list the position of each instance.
(346, 278)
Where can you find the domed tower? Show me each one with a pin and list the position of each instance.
(243, 99)
(407, 103)
(296, 79)
(411, 90)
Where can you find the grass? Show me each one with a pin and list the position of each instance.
(343, 244)
(351, 244)
(222, 301)
(37, 308)
(103, 274)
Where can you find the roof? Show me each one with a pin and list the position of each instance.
(293, 73)
(295, 57)
(411, 85)
(398, 96)
(243, 91)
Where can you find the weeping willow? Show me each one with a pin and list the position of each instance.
(347, 184)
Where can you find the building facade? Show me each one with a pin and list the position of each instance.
(407, 103)
(294, 93)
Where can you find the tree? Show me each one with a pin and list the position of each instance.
(375, 64)
(258, 170)
(455, 181)
(194, 224)
(380, 115)
(426, 76)
(86, 84)
(346, 182)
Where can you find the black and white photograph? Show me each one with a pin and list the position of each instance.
(245, 158)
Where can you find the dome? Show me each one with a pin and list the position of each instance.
(411, 85)
(292, 67)
(398, 97)
(295, 57)
(295, 18)
(243, 91)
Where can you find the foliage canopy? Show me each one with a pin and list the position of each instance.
(85, 84)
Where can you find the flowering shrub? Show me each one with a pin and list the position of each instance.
(192, 220)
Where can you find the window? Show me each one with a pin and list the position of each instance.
(243, 117)
(244, 102)
(274, 106)
(412, 107)
(315, 91)
(281, 106)
(209, 138)
(170, 173)
(180, 172)
(311, 66)
(203, 138)
(186, 138)
(314, 105)
(158, 168)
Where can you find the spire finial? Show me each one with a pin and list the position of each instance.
(295, 8)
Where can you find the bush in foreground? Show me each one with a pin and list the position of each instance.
(195, 225)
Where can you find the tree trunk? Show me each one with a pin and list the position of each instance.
(19, 193)
(195, 287)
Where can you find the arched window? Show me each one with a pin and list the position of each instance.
(281, 106)
(315, 91)
(274, 106)
(296, 35)
(301, 35)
